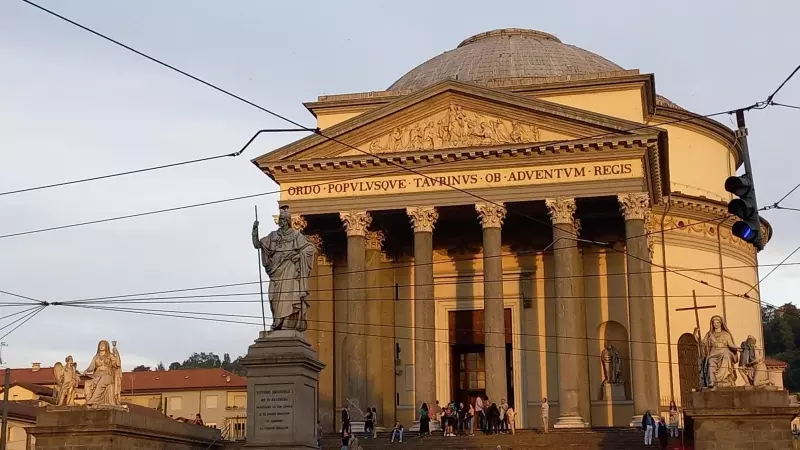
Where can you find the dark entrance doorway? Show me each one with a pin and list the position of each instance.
(468, 367)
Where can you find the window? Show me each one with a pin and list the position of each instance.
(239, 401)
(472, 372)
(211, 402)
(175, 403)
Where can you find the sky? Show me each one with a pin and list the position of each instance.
(73, 105)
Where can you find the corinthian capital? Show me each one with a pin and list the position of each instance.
(423, 218)
(355, 222)
(635, 206)
(374, 240)
(298, 222)
(561, 209)
(491, 215)
(316, 241)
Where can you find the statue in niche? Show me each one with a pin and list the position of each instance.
(287, 256)
(611, 365)
(105, 376)
(718, 355)
(751, 364)
(67, 377)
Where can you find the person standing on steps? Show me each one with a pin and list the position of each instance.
(481, 413)
(663, 434)
(647, 426)
(511, 416)
(424, 421)
(673, 419)
(545, 415)
(319, 435)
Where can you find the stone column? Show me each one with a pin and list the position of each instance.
(570, 314)
(635, 208)
(375, 389)
(423, 219)
(491, 217)
(325, 337)
(355, 349)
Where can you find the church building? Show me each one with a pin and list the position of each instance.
(518, 218)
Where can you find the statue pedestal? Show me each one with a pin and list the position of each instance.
(282, 380)
(613, 391)
(741, 417)
(120, 428)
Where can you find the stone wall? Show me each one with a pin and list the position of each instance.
(84, 428)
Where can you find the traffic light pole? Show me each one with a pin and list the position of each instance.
(741, 140)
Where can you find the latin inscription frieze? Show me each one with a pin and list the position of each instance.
(476, 179)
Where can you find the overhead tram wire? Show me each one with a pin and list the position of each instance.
(22, 297)
(759, 105)
(131, 299)
(782, 263)
(769, 100)
(148, 169)
(785, 105)
(455, 260)
(110, 309)
(26, 319)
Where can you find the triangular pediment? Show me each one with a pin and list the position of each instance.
(451, 115)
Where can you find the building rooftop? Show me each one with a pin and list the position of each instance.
(505, 53)
(188, 379)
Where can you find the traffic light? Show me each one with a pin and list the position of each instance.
(746, 208)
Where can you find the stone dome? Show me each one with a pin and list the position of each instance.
(506, 53)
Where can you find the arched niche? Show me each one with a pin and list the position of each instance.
(615, 333)
(688, 366)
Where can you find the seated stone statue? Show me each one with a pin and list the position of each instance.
(718, 355)
(105, 376)
(752, 365)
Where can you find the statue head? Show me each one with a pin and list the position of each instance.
(717, 324)
(751, 341)
(102, 347)
(68, 360)
(284, 218)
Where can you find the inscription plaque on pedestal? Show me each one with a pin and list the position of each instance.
(274, 408)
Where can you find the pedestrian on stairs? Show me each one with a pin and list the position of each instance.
(647, 426)
(424, 421)
(398, 431)
(545, 415)
(511, 416)
(663, 434)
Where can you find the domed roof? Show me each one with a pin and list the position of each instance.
(506, 53)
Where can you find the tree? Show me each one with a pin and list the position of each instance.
(160, 367)
(141, 369)
(202, 361)
(782, 340)
(234, 366)
(175, 366)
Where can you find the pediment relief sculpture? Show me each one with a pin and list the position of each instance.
(455, 127)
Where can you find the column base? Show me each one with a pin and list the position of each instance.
(636, 421)
(571, 422)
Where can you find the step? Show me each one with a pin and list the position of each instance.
(606, 439)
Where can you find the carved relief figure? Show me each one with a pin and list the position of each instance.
(455, 127)
(752, 366)
(717, 355)
(66, 376)
(104, 372)
(287, 256)
(611, 365)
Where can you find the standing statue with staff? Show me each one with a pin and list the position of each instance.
(288, 256)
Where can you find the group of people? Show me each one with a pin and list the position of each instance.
(655, 427)
(459, 419)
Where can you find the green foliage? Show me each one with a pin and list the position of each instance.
(209, 361)
(160, 367)
(141, 369)
(782, 340)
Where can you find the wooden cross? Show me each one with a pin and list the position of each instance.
(696, 309)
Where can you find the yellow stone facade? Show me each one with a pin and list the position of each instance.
(519, 142)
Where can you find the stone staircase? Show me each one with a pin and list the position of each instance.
(605, 438)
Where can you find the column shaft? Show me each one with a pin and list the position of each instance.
(423, 219)
(570, 315)
(644, 369)
(375, 389)
(494, 317)
(356, 224)
(356, 348)
(325, 328)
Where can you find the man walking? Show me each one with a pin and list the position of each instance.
(545, 415)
